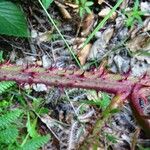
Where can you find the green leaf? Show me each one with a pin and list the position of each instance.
(130, 21)
(111, 138)
(31, 127)
(35, 143)
(1, 57)
(89, 3)
(5, 85)
(136, 5)
(8, 135)
(47, 3)
(82, 2)
(81, 12)
(12, 20)
(105, 101)
(9, 118)
(88, 10)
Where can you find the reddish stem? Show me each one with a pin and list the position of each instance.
(120, 85)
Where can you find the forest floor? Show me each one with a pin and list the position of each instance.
(67, 115)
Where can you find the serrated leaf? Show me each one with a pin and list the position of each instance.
(35, 143)
(47, 3)
(9, 118)
(8, 135)
(12, 20)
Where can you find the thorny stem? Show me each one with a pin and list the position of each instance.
(124, 87)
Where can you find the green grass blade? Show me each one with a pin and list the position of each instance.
(102, 23)
(52, 21)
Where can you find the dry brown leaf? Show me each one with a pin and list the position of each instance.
(63, 10)
(140, 42)
(134, 31)
(83, 53)
(87, 24)
(107, 35)
(105, 12)
(100, 2)
(74, 6)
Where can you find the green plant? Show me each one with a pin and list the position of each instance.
(4, 85)
(134, 15)
(12, 133)
(66, 43)
(1, 57)
(111, 138)
(103, 22)
(47, 3)
(8, 128)
(84, 6)
(12, 20)
(35, 143)
(9, 133)
(102, 102)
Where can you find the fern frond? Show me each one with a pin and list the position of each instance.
(4, 85)
(35, 143)
(8, 135)
(10, 117)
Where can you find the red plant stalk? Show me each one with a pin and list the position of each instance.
(124, 86)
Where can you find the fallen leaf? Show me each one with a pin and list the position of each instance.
(140, 42)
(84, 53)
(74, 6)
(98, 49)
(107, 35)
(105, 12)
(100, 2)
(63, 10)
(87, 24)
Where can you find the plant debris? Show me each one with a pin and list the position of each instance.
(59, 31)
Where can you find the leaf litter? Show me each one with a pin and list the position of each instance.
(126, 49)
